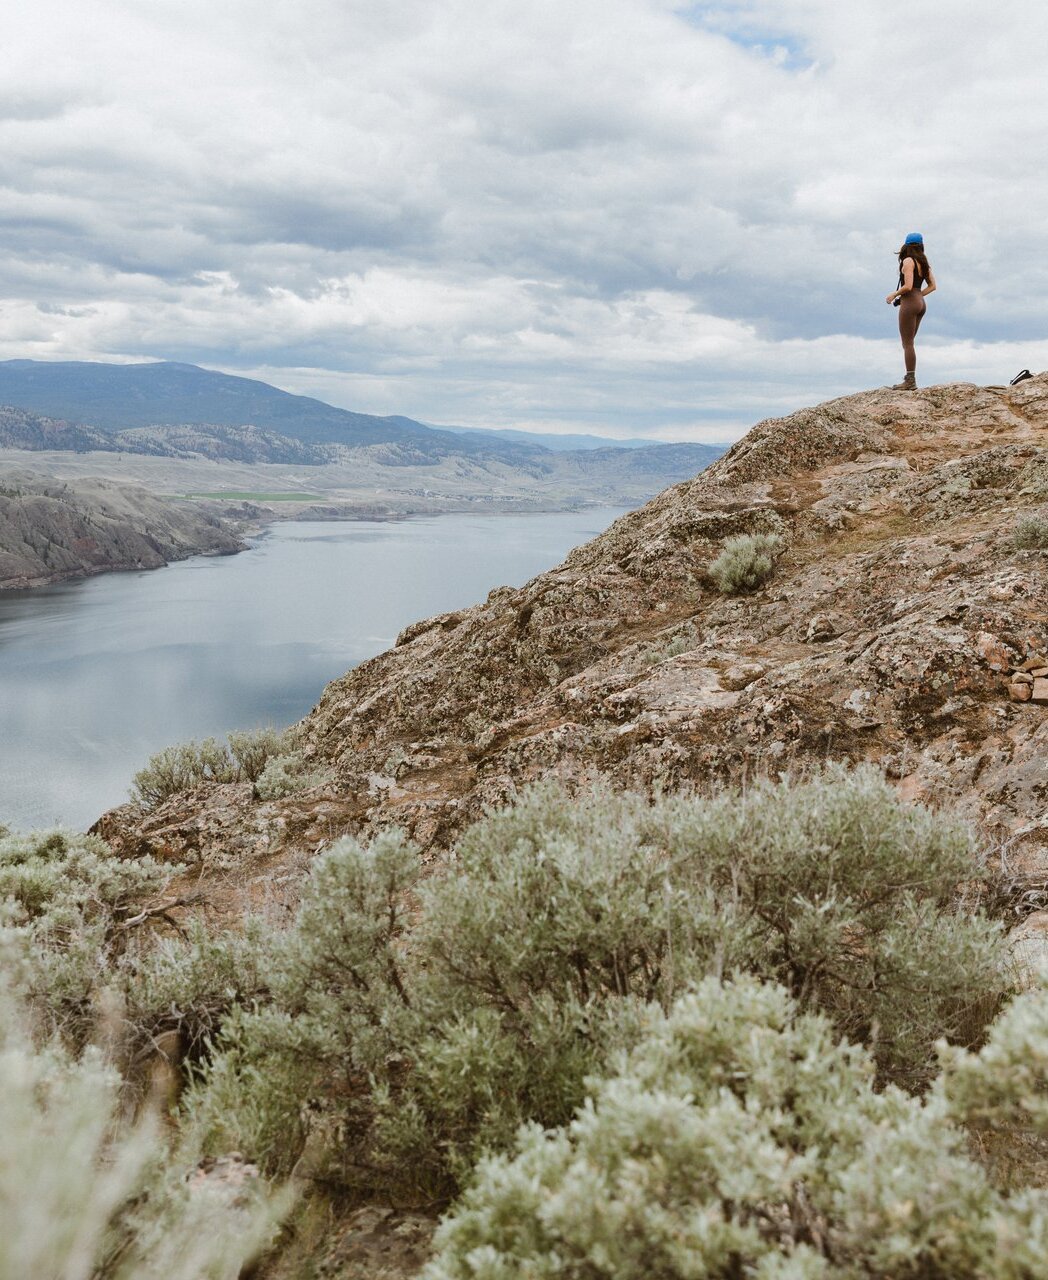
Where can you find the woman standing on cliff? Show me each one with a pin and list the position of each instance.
(915, 283)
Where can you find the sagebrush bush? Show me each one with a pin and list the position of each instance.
(77, 930)
(742, 1137)
(192, 764)
(286, 774)
(424, 1021)
(251, 749)
(180, 768)
(746, 562)
(63, 924)
(82, 1197)
(681, 641)
(190, 983)
(654, 994)
(46, 872)
(1005, 1085)
(1031, 534)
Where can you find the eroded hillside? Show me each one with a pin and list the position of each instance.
(891, 631)
(51, 530)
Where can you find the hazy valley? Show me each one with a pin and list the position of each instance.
(179, 430)
(243, 453)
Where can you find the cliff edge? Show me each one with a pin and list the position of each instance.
(903, 625)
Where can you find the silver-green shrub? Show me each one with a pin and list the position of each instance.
(418, 1023)
(409, 1025)
(741, 1137)
(81, 1197)
(252, 748)
(683, 639)
(66, 903)
(286, 774)
(80, 967)
(45, 872)
(746, 562)
(181, 768)
(1031, 534)
(190, 983)
(75, 934)
(336, 1023)
(192, 764)
(1004, 1087)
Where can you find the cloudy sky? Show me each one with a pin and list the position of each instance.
(637, 217)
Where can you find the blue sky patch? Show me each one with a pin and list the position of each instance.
(778, 45)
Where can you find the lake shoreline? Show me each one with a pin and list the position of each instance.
(98, 674)
(82, 575)
(54, 531)
(246, 526)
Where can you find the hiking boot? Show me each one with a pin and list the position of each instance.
(909, 383)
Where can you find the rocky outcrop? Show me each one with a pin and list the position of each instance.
(901, 626)
(372, 1242)
(51, 531)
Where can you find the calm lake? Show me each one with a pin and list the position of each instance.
(97, 675)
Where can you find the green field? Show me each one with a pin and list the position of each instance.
(245, 496)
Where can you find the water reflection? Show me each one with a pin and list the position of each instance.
(96, 675)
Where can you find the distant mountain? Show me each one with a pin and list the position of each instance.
(181, 411)
(115, 397)
(563, 443)
(23, 429)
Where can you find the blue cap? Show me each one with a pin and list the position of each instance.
(914, 237)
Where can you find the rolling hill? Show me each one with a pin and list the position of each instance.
(117, 398)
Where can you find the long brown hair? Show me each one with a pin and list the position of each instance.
(916, 252)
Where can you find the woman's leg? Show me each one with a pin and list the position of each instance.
(911, 312)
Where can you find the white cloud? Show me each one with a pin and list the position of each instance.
(636, 215)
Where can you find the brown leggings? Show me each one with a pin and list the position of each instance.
(912, 307)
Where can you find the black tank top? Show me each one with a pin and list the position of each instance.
(919, 279)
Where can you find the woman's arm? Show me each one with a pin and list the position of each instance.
(907, 280)
(930, 286)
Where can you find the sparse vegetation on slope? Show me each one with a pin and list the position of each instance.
(424, 1021)
(746, 562)
(682, 977)
(265, 757)
(1031, 533)
(897, 628)
(86, 937)
(84, 1195)
(744, 1138)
